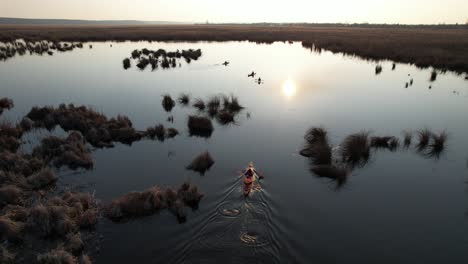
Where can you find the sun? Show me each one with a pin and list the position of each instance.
(289, 88)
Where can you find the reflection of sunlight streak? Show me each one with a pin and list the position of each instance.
(289, 88)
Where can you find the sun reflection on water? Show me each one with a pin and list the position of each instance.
(289, 88)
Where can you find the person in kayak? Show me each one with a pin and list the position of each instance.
(249, 173)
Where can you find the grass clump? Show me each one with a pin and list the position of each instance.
(6, 103)
(157, 131)
(388, 142)
(424, 136)
(168, 103)
(356, 149)
(199, 104)
(10, 230)
(200, 126)
(438, 144)
(150, 201)
(10, 194)
(42, 178)
(407, 135)
(202, 163)
(184, 99)
(56, 256)
(61, 216)
(378, 69)
(70, 152)
(225, 117)
(126, 63)
(232, 104)
(317, 146)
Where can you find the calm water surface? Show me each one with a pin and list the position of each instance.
(400, 208)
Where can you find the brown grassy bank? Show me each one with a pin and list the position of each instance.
(442, 48)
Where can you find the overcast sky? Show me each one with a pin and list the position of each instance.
(372, 11)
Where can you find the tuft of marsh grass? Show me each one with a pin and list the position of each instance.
(225, 117)
(214, 103)
(438, 144)
(317, 147)
(126, 63)
(356, 149)
(199, 104)
(378, 69)
(168, 103)
(157, 131)
(389, 142)
(200, 126)
(408, 135)
(424, 137)
(184, 99)
(201, 163)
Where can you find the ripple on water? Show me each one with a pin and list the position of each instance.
(230, 209)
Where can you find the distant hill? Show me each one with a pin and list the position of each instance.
(33, 21)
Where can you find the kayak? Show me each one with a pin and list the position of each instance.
(248, 184)
(248, 181)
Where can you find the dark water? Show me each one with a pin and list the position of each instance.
(400, 208)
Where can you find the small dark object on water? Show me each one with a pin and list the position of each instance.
(170, 119)
(411, 81)
(393, 66)
(252, 74)
(433, 76)
(226, 63)
(126, 63)
(406, 86)
(430, 86)
(378, 69)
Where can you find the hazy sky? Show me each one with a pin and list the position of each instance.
(372, 11)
